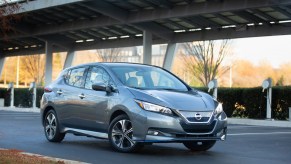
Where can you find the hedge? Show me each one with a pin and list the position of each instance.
(22, 97)
(251, 102)
(237, 102)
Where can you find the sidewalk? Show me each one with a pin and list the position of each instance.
(15, 109)
(274, 123)
(239, 121)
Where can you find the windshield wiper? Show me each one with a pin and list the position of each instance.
(136, 87)
(168, 89)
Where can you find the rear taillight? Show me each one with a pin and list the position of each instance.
(47, 89)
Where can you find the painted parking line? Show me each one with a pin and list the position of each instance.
(267, 133)
(244, 126)
(17, 116)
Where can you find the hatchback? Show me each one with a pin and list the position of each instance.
(131, 105)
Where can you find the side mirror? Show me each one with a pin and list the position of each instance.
(99, 87)
(103, 87)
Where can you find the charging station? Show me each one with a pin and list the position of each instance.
(32, 88)
(11, 88)
(267, 85)
(213, 85)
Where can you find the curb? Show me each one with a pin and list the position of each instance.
(271, 123)
(51, 158)
(15, 109)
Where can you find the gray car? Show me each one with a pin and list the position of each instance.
(131, 105)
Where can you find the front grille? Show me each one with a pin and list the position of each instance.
(198, 128)
(193, 119)
(191, 116)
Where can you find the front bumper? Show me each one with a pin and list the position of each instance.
(160, 138)
(156, 128)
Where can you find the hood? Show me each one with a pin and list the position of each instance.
(188, 100)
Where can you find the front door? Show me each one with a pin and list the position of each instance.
(96, 102)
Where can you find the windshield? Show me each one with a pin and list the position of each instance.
(147, 77)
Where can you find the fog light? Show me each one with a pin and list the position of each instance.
(152, 132)
(222, 134)
(223, 137)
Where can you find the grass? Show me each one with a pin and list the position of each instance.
(15, 156)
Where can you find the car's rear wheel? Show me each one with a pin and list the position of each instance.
(51, 127)
(199, 145)
(120, 135)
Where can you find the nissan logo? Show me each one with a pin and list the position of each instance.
(198, 116)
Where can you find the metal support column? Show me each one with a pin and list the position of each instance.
(169, 56)
(69, 59)
(48, 63)
(147, 47)
(2, 62)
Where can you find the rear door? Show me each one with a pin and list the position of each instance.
(70, 92)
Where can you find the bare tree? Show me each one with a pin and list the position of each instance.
(8, 16)
(109, 55)
(204, 58)
(33, 67)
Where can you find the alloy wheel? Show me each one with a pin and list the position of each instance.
(50, 126)
(122, 134)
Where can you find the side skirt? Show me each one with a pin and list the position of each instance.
(86, 133)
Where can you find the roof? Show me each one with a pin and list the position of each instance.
(92, 24)
(110, 64)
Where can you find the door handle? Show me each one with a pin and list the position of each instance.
(82, 96)
(59, 92)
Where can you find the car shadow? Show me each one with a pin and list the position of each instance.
(170, 150)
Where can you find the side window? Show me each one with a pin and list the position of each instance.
(97, 75)
(67, 76)
(76, 77)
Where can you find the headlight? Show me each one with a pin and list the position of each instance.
(153, 108)
(218, 109)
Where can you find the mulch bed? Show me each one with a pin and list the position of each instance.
(13, 156)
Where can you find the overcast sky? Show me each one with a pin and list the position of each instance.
(275, 49)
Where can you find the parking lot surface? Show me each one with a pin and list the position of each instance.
(244, 144)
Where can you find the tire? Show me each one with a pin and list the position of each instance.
(120, 135)
(199, 145)
(52, 128)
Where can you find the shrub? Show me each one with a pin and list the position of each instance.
(239, 111)
(22, 97)
(254, 102)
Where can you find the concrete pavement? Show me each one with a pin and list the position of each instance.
(244, 144)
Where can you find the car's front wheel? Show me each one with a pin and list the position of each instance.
(51, 127)
(120, 135)
(199, 145)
